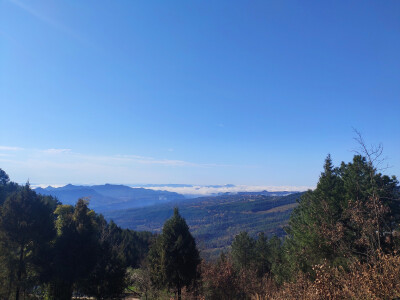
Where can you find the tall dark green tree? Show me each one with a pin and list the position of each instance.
(311, 222)
(107, 278)
(75, 249)
(26, 230)
(177, 255)
(243, 250)
(4, 178)
(155, 263)
(346, 217)
(262, 258)
(7, 187)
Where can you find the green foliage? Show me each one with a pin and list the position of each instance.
(262, 259)
(262, 256)
(346, 217)
(174, 257)
(26, 230)
(107, 278)
(155, 261)
(134, 246)
(52, 250)
(4, 179)
(75, 249)
(243, 250)
(7, 187)
(92, 255)
(278, 260)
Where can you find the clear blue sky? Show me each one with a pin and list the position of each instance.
(206, 92)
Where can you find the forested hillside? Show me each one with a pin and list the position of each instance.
(214, 221)
(50, 250)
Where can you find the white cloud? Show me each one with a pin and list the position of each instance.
(56, 151)
(62, 165)
(54, 185)
(212, 190)
(8, 148)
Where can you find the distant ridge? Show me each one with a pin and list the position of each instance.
(110, 196)
(215, 220)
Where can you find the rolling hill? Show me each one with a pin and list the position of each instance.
(214, 221)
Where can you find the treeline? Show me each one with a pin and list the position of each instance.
(52, 251)
(342, 242)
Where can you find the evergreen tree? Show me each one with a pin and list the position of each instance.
(107, 278)
(243, 250)
(26, 229)
(7, 187)
(175, 255)
(75, 249)
(4, 178)
(61, 249)
(262, 255)
(345, 217)
(155, 263)
(277, 260)
(311, 223)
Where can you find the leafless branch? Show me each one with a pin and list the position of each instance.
(373, 153)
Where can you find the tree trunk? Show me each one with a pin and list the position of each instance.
(9, 286)
(19, 273)
(179, 293)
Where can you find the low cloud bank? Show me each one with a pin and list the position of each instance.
(192, 191)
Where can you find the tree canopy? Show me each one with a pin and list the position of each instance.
(175, 256)
(54, 249)
(347, 216)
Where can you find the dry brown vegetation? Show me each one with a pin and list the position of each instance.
(360, 281)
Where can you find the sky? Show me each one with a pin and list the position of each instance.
(196, 92)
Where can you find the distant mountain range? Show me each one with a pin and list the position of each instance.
(109, 196)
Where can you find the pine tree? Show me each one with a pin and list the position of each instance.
(243, 250)
(7, 187)
(174, 256)
(26, 229)
(76, 249)
(313, 223)
(107, 278)
(344, 218)
(262, 255)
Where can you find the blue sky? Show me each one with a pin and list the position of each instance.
(204, 92)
